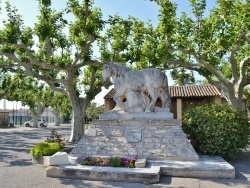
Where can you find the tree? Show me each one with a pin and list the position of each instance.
(93, 111)
(214, 45)
(31, 93)
(60, 105)
(132, 42)
(5, 82)
(49, 54)
(182, 77)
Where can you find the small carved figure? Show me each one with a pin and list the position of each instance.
(147, 81)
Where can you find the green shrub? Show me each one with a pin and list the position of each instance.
(115, 162)
(45, 149)
(217, 129)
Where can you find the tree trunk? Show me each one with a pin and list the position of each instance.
(35, 119)
(235, 101)
(35, 113)
(57, 115)
(235, 96)
(77, 121)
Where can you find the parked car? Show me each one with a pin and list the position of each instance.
(40, 123)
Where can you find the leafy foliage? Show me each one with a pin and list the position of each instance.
(93, 111)
(46, 149)
(115, 162)
(29, 91)
(215, 44)
(56, 51)
(247, 95)
(217, 129)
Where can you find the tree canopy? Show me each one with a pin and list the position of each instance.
(59, 51)
(48, 53)
(215, 45)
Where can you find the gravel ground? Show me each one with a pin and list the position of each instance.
(18, 171)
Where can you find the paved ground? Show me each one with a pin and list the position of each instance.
(18, 171)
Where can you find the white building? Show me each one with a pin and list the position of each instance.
(19, 116)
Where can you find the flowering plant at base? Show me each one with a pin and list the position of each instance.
(101, 162)
(112, 162)
(130, 163)
(54, 137)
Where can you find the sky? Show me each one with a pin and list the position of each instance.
(142, 9)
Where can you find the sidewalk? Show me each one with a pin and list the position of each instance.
(18, 171)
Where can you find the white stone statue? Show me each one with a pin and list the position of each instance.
(129, 82)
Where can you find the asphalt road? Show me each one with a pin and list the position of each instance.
(18, 171)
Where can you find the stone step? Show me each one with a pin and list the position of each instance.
(76, 171)
(205, 167)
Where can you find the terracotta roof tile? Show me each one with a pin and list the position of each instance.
(184, 91)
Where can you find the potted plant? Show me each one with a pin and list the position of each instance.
(49, 147)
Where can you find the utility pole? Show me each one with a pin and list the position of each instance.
(4, 104)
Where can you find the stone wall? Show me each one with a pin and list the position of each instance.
(151, 139)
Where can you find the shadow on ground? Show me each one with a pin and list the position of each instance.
(15, 144)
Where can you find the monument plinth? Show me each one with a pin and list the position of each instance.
(138, 128)
(130, 135)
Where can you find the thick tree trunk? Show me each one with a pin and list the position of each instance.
(77, 121)
(57, 123)
(235, 96)
(237, 103)
(35, 113)
(35, 119)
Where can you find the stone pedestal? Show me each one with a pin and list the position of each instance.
(160, 114)
(144, 138)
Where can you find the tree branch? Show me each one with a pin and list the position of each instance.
(48, 48)
(243, 65)
(92, 81)
(233, 60)
(202, 63)
(33, 61)
(182, 63)
(57, 89)
(89, 62)
(84, 48)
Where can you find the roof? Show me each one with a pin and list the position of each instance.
(184, 91)
(194, 91)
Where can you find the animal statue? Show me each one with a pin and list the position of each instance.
(147, 81)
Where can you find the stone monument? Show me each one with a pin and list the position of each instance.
(137, 128)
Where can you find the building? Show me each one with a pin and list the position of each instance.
(19, 116)
(4, 118)
(181, 98)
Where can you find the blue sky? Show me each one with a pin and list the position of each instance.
(142, 9)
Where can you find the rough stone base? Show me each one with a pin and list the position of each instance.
(151, 139)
